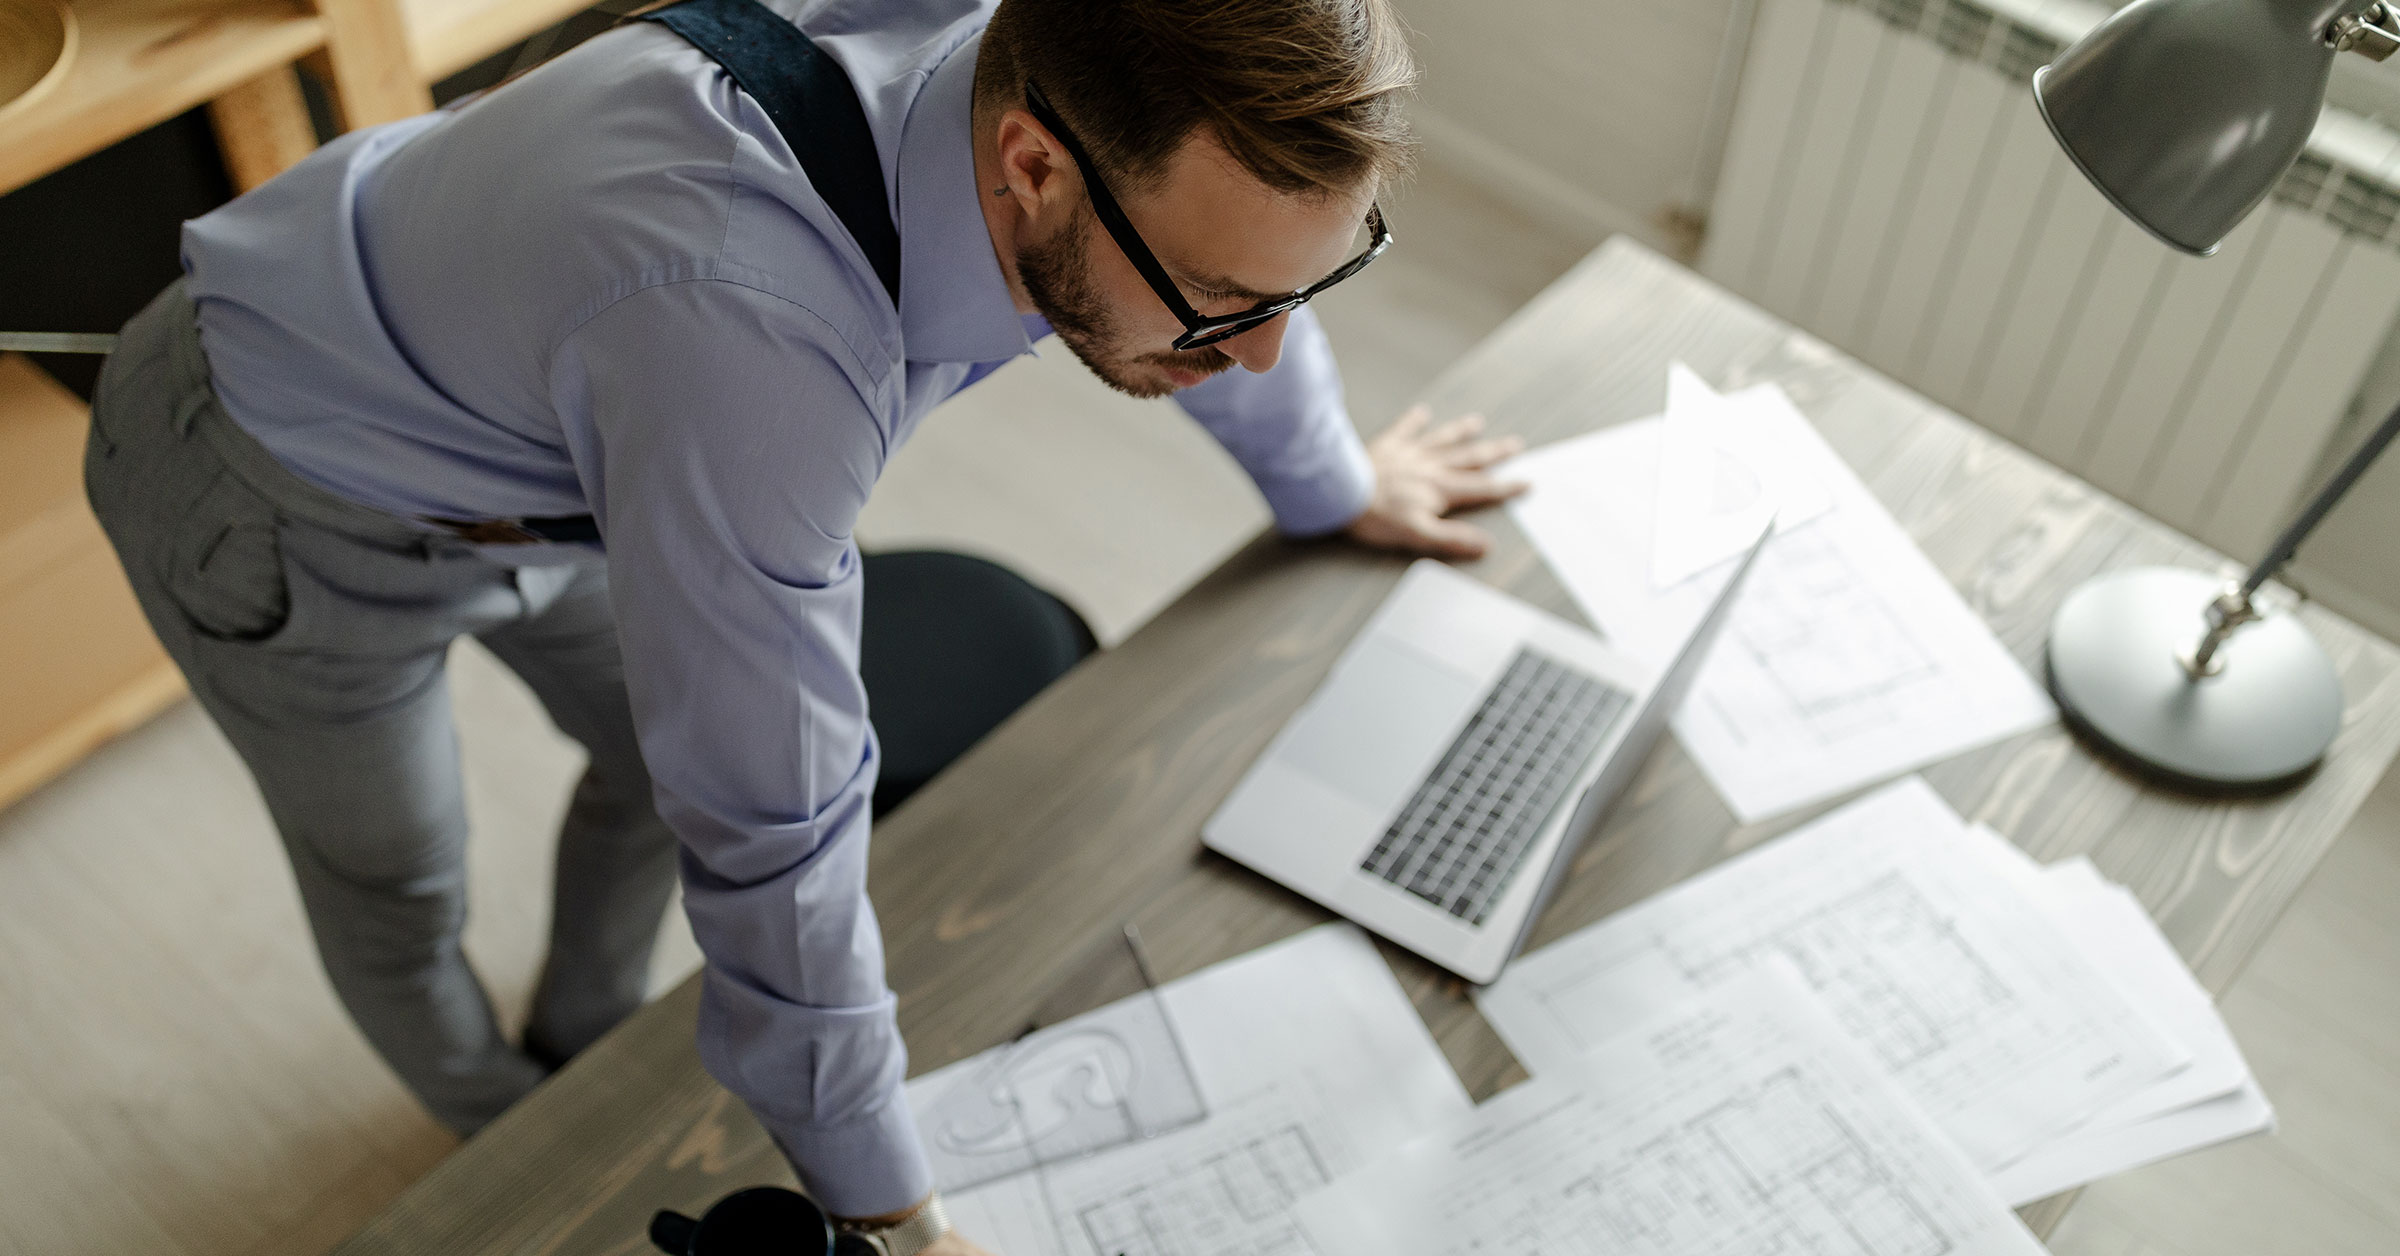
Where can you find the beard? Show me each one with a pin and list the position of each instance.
(1057, 274)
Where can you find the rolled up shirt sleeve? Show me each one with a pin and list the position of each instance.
(732, 440)
(1289, 429)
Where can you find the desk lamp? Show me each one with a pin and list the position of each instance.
(2185, 113)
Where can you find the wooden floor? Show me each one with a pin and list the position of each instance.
(176, 1078)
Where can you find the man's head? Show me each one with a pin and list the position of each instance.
(1244, 140)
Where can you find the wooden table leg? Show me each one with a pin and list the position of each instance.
(375, 77)
(262, 127)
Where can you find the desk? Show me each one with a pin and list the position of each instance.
(1016, 868)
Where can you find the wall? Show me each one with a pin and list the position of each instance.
(1594, 116)
(1599, 116)
(2352, 562)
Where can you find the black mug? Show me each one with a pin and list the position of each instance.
(759, 1220)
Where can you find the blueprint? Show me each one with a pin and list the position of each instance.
(1110, 1076)
(1849, 658)
(2212, 1099)
(1742, 1122)
(1311, 1062)
(2109, 925)
(1956, 984)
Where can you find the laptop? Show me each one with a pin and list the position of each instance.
(1439, 782)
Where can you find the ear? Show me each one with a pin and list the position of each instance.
(1038, 172)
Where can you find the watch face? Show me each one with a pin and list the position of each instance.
(857, 1245)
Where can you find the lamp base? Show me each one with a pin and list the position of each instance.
(2260, 724)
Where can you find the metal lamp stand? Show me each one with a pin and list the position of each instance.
(2193, 683)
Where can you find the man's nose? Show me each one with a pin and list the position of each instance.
(1261, 347)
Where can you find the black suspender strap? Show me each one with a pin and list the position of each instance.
(811, 101)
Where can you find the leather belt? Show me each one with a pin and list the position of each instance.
(563, 529)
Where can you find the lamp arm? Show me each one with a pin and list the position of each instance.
(2233, 608)
(2322, 504)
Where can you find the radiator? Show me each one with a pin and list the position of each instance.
(1889, 186)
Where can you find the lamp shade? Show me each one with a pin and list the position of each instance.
(2185, 113)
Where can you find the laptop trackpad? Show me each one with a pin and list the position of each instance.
(1373, 732)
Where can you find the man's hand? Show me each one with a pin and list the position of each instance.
(1423, 473)
(951, 1244)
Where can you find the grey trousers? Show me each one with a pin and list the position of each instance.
(315, 633)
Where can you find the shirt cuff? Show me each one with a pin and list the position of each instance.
(1331, 497)
(866, 1168)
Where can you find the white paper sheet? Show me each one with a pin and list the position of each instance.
(1955, 983)
(2109, 925)
(1312, 1062)
(1849, 657)
(1741, 1123)
(1714, 495)
(2108, 922)
(2212, 1099)
(1104, 1078)
(2089, 1155)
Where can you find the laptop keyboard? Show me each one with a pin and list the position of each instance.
(1460, 839)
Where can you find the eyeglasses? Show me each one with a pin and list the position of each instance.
(1198, 329)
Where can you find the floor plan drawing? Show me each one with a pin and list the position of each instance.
(1772, 1167)
(1239, 1202)
(1839, 654)
(1956, 984)
(1079, 1087)
(1312, 1061)
(1900, 976)
(1224, 1187)
(1741, 1122)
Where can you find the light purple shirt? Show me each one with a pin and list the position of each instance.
(608, 287)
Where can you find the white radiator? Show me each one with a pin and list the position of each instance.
(1889, 185)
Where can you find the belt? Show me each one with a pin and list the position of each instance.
(563, 529)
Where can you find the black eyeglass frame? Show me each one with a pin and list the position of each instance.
(1199, 330)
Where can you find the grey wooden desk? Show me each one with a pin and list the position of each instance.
(1015, 869)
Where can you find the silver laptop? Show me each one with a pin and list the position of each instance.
(1437, 784)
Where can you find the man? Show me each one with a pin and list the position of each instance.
(610, 289)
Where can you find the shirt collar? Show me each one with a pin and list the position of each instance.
(954, 302)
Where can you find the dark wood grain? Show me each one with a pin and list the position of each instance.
(997, 883)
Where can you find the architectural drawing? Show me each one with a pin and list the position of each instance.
(1311, 1059)
(1239, 1201)
(1892, 965)
(1839, 654)
(1772, 1167)
(1079, 1087)
(1739, 1123)
(1955, 983)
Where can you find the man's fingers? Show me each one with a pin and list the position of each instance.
(1410, 424)
(1424, 471)
(1473, 488)
(1463, 428)
(1484, 453)
(1448, 538)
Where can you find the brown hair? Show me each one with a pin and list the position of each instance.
(1305, 94)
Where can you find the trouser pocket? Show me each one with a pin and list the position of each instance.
(225, 567)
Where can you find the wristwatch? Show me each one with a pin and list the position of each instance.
(906, 1238)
